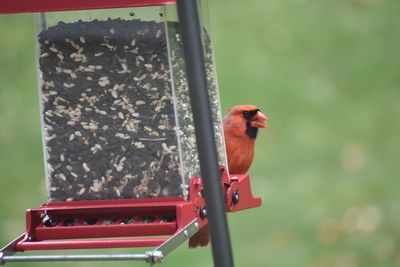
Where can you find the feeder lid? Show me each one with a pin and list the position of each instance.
(30, 6)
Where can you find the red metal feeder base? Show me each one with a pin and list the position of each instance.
(97, 223)
(123, 223)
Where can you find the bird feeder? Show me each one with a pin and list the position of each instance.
(121, 160)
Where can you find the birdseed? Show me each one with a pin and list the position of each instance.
(108, 111)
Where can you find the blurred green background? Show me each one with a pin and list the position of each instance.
(327, 73)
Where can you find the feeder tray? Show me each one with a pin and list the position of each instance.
(123, 223)
(121, 160)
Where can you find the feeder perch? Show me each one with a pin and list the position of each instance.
(120, 150)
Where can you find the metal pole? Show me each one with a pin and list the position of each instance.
(194, 60)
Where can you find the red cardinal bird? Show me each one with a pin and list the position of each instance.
(241, 126)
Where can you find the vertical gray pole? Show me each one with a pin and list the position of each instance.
(195, 68)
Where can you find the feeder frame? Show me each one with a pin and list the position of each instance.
(230, 195)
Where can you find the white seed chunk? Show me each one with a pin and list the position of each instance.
(85, 167)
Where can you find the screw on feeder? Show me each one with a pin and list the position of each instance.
(203, 212)
(154, 257)
(235, 197)
(49, 222)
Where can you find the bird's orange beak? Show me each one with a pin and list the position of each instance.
(258, 120)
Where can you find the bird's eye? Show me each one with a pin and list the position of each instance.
(246, 114)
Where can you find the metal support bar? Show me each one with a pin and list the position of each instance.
(195, 68)
(152, 257)
(9, 249)
(84, 257)
(172, 243)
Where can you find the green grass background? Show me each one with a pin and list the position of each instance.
(327, 73)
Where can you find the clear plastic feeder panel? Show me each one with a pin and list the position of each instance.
(117, 122)
(187, 140)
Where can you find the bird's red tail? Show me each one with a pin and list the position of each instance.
(201, 238)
